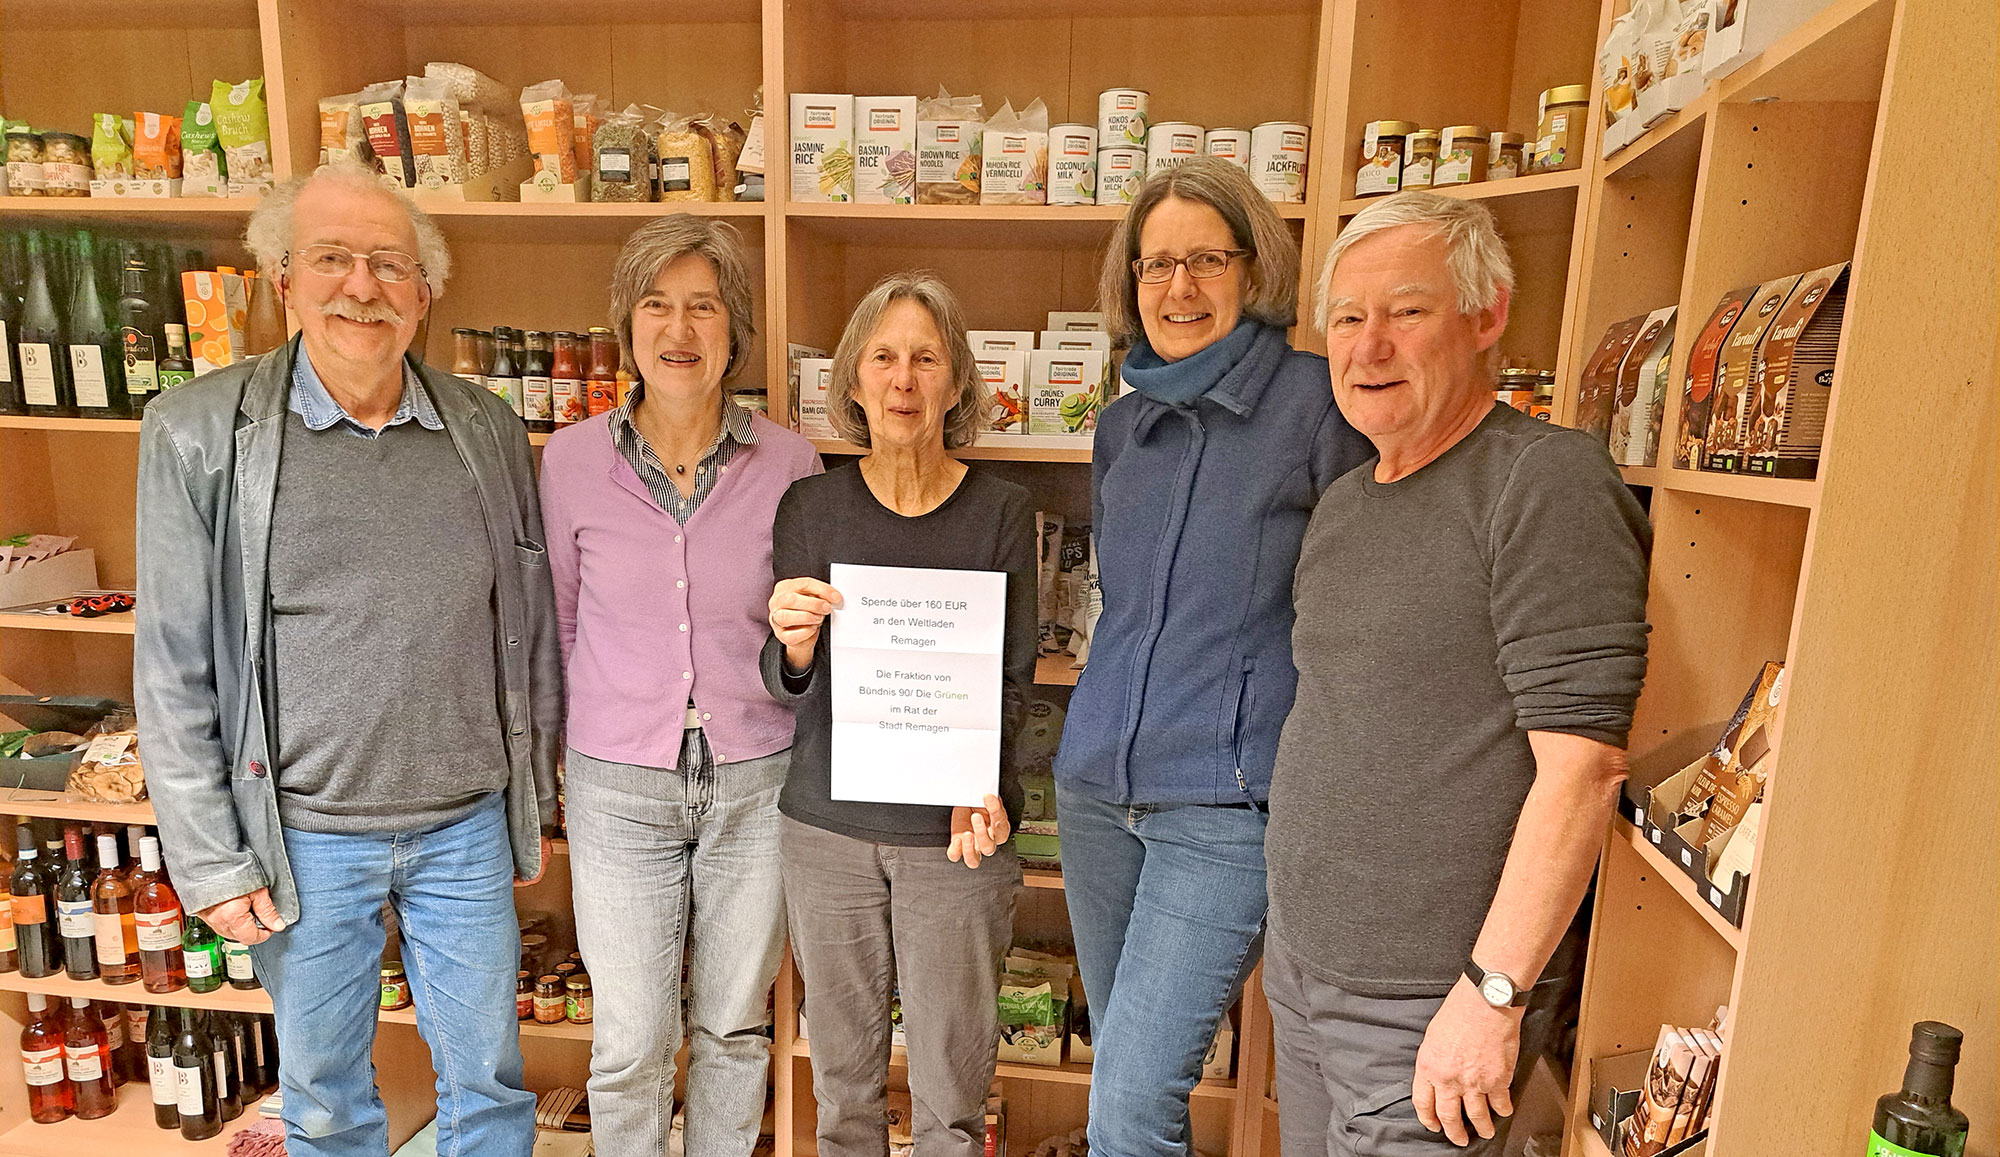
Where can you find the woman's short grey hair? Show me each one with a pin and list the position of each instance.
(1474, 252)
(1272, 296)
(658, 244)
(268, 235)
(843, 409)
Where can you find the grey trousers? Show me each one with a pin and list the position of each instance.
(1346, 1061)
(865, 917)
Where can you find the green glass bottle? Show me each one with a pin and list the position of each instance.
(201, 955)
(1918, 1120)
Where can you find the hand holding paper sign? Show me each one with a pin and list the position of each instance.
(798, 607)
(977, 831)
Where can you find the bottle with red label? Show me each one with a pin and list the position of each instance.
(156, 911)
(33, 914)
(113, 919)
(601, 384)
(112, 1016)
(87, 1061)
(49, 1096)
(567, 399)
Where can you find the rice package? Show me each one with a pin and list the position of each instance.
(204, 171)
(687, 162)
(1014, 165)
(243, 125)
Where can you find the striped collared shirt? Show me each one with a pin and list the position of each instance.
(735, 433)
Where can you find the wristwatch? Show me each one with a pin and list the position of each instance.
(1496, 988)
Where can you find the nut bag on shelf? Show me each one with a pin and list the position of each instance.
(243, 125)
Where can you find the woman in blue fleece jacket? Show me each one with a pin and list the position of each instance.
(1203, 479)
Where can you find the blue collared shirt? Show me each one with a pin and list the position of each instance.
(316, 407)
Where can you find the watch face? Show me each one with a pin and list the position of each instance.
(1497, 989)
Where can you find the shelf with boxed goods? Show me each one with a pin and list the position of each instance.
(216, 145)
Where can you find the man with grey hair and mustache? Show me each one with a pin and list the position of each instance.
(347, 672)
(1470, 640)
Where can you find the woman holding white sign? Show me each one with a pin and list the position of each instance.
(883, 894)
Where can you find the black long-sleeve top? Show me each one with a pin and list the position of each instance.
(986, 524)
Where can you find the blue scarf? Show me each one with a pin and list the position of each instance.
(1180, 383)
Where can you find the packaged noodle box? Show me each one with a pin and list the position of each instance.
(885, 150)
(1005, 373)
(1075, 320)
(1000, 339)
(815, 376)
(243, 126)
(1065, 391)
(1014, 162)
(204, 171)
(1729, 414)
(1793, 378)
(215, 329)
(1637, 402)
(822, 147)
(949, 140)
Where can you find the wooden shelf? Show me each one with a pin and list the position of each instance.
(1801, 492)
(128, 1130)
(1042, 878)
(119, 623)
(1066, 1073)
(1592, 1144)
(1568, 180)
(983, 213)
(207, 212)
(62, 805)
(1655, 143)
(80, 425)
(1055, 671)
(1837, 55)
(1271, 1105)
(995, 448)
(1678, 880)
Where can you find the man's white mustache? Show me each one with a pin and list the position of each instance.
(354, 310)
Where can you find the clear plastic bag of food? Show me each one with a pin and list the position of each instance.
(687, 162)
(620, 158)
(949, 130)
(437, 140)
(388, 133)
(471, 88)
(725, 143)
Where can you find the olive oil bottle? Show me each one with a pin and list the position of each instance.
(1918, 1119)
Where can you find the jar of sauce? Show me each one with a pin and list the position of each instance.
(1504, 156)
(576, 998)
(524, 996)
(1461, 156)
(549, 1000)
(1420, 154)
(601, 380)
(566, 379)
(395, 987)
(465, 359)
(1559, 135)
(1381, 168)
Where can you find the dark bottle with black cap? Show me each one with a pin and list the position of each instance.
(1918, 1119)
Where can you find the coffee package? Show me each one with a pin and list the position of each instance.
(1698, 391)
(1640, 397)
(1597, 390)
(1793, 378)
(1726, 419)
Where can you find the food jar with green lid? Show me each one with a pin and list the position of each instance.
(1420, 154)
(1504, 156)
(1381, 168)
(1461, 158)
(1559, 135)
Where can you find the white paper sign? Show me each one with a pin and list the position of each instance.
(916, 684)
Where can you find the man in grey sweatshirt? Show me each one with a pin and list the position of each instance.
(1470, 641)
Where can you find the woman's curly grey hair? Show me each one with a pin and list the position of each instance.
(269, 232)
(843, 409)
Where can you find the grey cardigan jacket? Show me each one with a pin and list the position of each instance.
(208, 470)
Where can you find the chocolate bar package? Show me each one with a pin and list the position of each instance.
(1698, 391)
(1794, 377)
(1597, 389)
(1724, 450)
(1637, 401)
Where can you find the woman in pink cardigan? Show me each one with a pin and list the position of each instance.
(659, 519)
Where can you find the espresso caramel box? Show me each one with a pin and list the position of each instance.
(1698, 391)
(1637, 398)
(1728, 418)
(1793, 378)
(1598, 388)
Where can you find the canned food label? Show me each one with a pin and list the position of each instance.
(45, 1066)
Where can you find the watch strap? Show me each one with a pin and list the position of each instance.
(1477, 974)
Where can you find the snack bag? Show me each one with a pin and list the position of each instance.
(243, 126)
(340, 135)
(437, 137)
(110, 151)
(549, 114)
(387, 132)
(156, 146)
(204, 168)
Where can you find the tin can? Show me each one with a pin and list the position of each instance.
(1120, 172)
(1229, 144)
(1121, 118)
(1170, 143)
(1072, 165)
(1278, 160)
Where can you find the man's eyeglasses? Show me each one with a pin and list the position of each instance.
(1200, 263)
(388, 266)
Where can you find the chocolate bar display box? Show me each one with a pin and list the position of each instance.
(1680, 841)
(1616, 1083)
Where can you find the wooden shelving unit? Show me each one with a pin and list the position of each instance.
(1874, 582)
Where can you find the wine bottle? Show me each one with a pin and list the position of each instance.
(228, 1078)
(176, 368)
(112, 1016)
(10, 952)
(160, 1067)
(115, 922)
(141, 332)
(201, 955)
(194, 1080)
(96, 371)
(34, 918)
(87, 1061)
(264, 1051)
(44, 357)
(156, 909)
(50, 1098)
(1918, 1120)
(13, 286)
(242, 970)
(74, 919)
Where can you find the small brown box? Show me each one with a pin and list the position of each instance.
(1698, 394)
(1786, 414)
(1598, 388)
(1726, 420)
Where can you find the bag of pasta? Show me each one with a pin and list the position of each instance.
(687, 162)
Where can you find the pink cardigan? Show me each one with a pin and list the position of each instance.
(652, 614)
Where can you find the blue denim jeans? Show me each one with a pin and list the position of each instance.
(452, 887)
(1167, 907)
(667, 861)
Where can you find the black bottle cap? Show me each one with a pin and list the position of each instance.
(1936, 1042)
(24, 840)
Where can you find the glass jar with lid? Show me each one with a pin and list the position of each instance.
(66, 165)
(1504, 156)
(395, 987)
(550, 1000)
(1420, 154)
(1461, 158)
(576, 998)
(24, 164)
(1563, 118)
(1381, 168)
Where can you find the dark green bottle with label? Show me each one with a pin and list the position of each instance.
(1918, 1119)
(201, 954)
